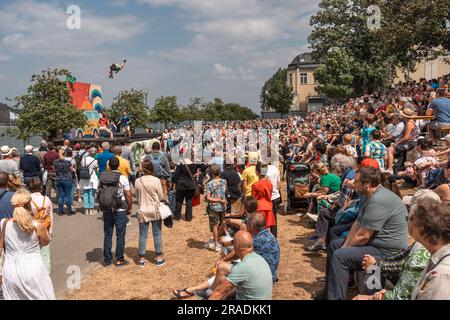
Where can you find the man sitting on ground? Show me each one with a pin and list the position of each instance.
(251, 277)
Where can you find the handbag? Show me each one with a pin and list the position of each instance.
(163, 209)
(197, 191)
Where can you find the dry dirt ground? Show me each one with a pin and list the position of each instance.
(189, 264)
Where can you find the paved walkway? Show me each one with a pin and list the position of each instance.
(77, 245)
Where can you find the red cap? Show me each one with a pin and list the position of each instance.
(369, 162)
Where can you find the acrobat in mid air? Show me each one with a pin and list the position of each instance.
(116, 68)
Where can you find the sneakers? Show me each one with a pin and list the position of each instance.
(201, 294)
(141, 263)
(218, 247)
(160, 262)
(312, 216)
(317, 246)
(121, 264)
(209, 245)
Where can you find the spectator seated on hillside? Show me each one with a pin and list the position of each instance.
(234, 222)
(440, 108)
(380, 229)
(264, 244)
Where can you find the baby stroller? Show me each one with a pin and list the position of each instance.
(297, 180)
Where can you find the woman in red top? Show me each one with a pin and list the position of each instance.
(262, 190)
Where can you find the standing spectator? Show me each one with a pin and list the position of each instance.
(234, 187)
(252, 276)
(24, 274)
(89, 186)
(149, 194)
(124, 166)
(249, 176)
(64, 183)
(161, 165)
(273, 174)
(6, 209)
(42, 209)
(49, 158)
(30, 165)
(185, 186)
(104, 157)
(216, 190)
(114, 186)
(8, 164)
(262, 190)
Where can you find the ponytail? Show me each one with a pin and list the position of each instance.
(22, 211)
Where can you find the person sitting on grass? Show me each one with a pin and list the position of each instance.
(265, 245)
(233, 222)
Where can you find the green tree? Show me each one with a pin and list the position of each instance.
(166, 110)
(410, 31)
(47, 107)
(335, 75)
(193, 110)
(133, 102)
(276, 94)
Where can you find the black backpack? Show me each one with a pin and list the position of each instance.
(108, 197)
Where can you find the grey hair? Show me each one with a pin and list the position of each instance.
(341, 162)
(105, 145)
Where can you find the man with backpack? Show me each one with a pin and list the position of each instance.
(114, 197)
(161, 165)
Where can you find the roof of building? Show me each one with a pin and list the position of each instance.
(303, 59)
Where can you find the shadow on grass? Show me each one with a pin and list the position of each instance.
(192, 243)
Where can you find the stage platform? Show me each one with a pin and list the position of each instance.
(119, 138)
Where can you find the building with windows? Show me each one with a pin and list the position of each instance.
(428, 70)
(301, 79)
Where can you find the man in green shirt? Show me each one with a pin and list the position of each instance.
(251, 277)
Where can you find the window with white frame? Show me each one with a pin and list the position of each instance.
(303, 78)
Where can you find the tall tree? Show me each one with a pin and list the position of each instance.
(166, 110)
(409, 31)
(47, 107)
(133, 102)
(276, 94)
(335, 75)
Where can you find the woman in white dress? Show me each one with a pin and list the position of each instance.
(25, 276)
(89, 187)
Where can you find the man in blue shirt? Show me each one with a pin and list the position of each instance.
(440, 108)
(264, 242)
(6, 208)
(104, 157)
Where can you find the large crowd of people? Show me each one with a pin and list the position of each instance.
(356, 153)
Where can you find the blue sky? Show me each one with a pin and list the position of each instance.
(186, 48)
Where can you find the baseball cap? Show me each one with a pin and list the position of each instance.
(420, 195)
(370, 162)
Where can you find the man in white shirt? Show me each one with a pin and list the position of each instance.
(273, 174)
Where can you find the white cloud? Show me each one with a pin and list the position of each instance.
(226, 73)
(40, 28)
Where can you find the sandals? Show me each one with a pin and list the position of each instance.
(178, 293)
